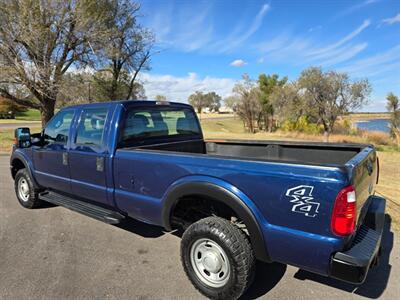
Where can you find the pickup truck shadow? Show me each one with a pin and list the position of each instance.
(140, 228)
(377, 278)
(267, 277)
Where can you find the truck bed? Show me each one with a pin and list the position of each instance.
(278, 151)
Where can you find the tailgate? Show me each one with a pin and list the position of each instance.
(364, 171)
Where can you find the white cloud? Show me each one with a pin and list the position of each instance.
(379, 64)
(187, 30)
(193, 30)
(391, 21)
(238, 37)
(304, 50)
(356, 7)
(238, 63)
(344, 40)
(312, 29)
(178, 89)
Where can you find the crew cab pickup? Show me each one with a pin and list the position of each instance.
(310, 205)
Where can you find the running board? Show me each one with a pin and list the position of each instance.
(94, 211)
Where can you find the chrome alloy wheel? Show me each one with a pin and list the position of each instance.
(23, 189)
(210, 263)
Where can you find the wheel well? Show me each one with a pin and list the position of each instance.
(190, 209)
(16, 165)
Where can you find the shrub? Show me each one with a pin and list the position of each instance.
(301, 125)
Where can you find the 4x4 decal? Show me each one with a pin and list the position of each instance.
(302, 200)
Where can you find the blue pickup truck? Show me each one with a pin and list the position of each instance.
(310, 205)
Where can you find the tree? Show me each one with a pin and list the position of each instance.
(288, 102)
(267, 85)
(331, 94)
(104, 85)
(40, 41)
(126, 48)
(248, 106)
(76, 88)
(213, 101)
(198, 100)
(232, 102)
(8, 108)
(393, 106)
(160, 98)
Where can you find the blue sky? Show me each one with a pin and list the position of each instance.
(208, 45)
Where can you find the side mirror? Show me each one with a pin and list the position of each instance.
(23, 137)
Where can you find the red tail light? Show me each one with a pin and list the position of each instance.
(344, 212)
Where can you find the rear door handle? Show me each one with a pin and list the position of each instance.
(100, 164)
(65, 158)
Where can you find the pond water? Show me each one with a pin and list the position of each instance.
(374, 125)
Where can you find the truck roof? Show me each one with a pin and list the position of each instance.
(135, 103)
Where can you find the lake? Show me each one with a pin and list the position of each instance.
(374, 125)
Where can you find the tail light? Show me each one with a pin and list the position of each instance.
(344, 212)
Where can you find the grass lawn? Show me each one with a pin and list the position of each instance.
(29, 115)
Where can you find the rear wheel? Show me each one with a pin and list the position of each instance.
(24, 189)
(217, 258)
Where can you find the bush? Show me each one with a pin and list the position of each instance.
(302, 125)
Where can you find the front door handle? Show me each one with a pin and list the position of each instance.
(100, 164)
(65, 158)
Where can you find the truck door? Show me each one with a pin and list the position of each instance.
(51, 159)
(88, 155)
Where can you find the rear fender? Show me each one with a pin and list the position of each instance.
(224, 192)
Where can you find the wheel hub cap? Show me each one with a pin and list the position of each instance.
(23, 189)
(210, 262)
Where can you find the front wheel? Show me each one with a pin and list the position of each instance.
(26, 194)
(217, 258)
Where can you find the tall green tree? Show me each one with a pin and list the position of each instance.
(331, 94)
(267, 85)
(40, 41)
(393, 106)
(213, 101)
(198, 100)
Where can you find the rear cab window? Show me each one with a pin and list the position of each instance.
(150, 125)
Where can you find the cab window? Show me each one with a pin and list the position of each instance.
(91, 126)
(57, 130)
(165, 123)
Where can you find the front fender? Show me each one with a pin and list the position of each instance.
(26, 161)
(222, 191)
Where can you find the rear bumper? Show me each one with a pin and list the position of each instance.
(353, 264)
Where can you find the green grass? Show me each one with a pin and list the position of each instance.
(29, 115)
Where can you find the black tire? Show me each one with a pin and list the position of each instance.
(32, 200)
(234, 242)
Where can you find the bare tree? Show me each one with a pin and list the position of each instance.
(248, 107)
(393, 106)
(332, 94)
(39, 42)
(160, 98)
(232, 102)
(127, 48)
